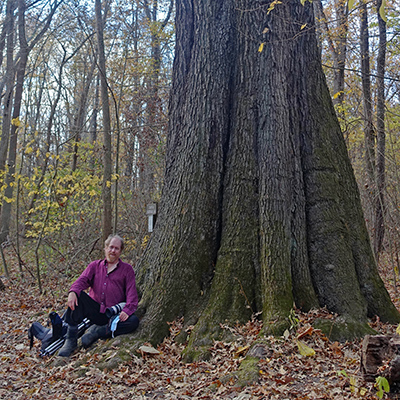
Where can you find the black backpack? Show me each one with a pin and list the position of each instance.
(48, 335)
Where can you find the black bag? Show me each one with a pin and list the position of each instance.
(48, 335)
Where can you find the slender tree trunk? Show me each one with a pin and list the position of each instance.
(379, 229)
(38, 102)
(96, 106)
(260, 207)
(338, 47)
(107, 211)
(9, 83)
(340, 62)
(369, 129)
(24, 51)
(3, 35)
(49, 129)
(131, 164)
(12, 151)
(79, 119)
(148, 137)
(148, 133)
(93, 119)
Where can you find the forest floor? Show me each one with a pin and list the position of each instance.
(330, 371)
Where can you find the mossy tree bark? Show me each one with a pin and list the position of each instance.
(260, 208)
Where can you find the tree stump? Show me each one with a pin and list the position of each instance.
(380, 356)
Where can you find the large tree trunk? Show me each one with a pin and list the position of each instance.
(260, 207)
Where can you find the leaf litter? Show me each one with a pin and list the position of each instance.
(302, 364)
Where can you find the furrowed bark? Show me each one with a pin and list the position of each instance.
(260, 208)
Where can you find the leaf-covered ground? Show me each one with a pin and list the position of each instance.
(330, 371)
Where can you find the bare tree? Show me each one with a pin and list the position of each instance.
(369, 128)
(148, 136)
(107, 168)
(9, 82)
(338, 47)
(24, 50)
(379, 228)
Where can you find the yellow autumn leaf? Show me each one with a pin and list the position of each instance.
(16, 122)
(241, 351)
(304, 350)
(398, 329)
(145, 241)
(31, 392)
(382, 10)
(363, 391)
(353, 384)
(337, 94)
(303, 26)
(260, 49)
(350, 4)
(272, 5)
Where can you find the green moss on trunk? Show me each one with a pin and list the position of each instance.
(246, 375)
(259, 199)
(343, 328)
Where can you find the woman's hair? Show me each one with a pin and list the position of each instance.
(108, 240)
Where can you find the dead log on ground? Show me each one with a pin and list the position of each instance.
(380, 356)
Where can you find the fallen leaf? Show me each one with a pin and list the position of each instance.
(304, 350)
(308, 331)
(241, 350)
(148, 350)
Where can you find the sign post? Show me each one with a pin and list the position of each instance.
(151, 212)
